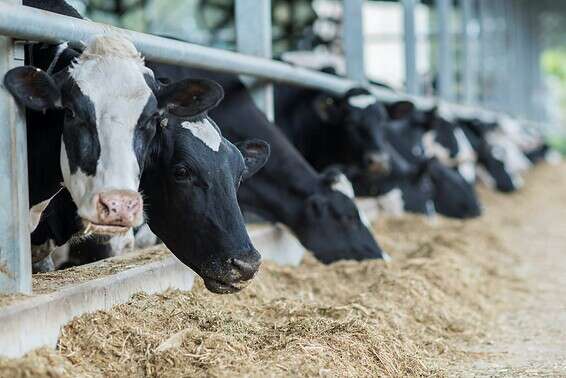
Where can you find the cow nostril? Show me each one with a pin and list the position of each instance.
(246, 269)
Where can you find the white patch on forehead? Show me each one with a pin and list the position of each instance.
(362, 101)
(434, 149)
(205, 131)
(343, 185)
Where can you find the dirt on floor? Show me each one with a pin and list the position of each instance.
(441, 307)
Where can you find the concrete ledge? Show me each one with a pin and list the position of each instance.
(36, 321)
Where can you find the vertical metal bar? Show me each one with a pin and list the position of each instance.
(411, 77)
(445, 74)
(353, 39)
(253, 35)
(467, 66)
(15, 255)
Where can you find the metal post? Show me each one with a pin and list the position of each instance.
(411, 77)
(445, 73)
(353, 39)
(253, 34)
(467, 66)
(15, 255)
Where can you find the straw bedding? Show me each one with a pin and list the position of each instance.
(446, 282)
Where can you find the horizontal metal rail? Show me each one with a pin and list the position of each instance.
(33, 24)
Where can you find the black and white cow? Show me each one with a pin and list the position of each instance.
(105, 108)
(317, 208)
(424, 140)
(190, 181)
(500, 162)
(327, 129)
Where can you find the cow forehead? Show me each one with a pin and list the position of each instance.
(204, 131)
(110, 72)
(362, 101)
(110, 81)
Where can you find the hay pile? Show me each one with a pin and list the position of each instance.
(447, 279)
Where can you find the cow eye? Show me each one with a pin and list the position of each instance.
(181, 173)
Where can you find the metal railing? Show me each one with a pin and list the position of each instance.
(19, 22)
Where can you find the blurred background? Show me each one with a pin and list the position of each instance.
(517, 50)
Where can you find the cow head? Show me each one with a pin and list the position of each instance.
(191, 186)
(332, 226)
(361, 119)
(109, 107)
(453, 196)
(428, 141)
(501, 162)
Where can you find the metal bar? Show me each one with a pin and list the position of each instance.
(34, 24)
(411, 77)
(253, 33)
(467, 64)
(15, 252)
(445, 74)
(353, 40)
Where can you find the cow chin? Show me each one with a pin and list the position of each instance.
(219, 287)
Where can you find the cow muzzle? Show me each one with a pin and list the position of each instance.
(241, 270)
(116, 212)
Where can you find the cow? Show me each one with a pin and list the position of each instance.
(315, 207)
(190, 181)
(500, 162)
(331, 129)
(424, 140)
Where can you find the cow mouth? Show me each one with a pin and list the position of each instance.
(221, 287)
(103, 229)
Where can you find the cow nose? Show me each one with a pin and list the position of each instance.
(246, 265)
(119, 208)
(378, 162)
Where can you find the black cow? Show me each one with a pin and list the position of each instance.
(190, 181)
(331, 129)
(287, 190)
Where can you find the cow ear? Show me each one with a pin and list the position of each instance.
(190, 97)
(255, 153)
(400, 109)
(33, 88)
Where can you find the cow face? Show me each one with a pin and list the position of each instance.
(108, 112)
(331, 225)
(416, 135)
(453, 196)
(362, 120)
(500, 161)
(191, 188)
(448, 143)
